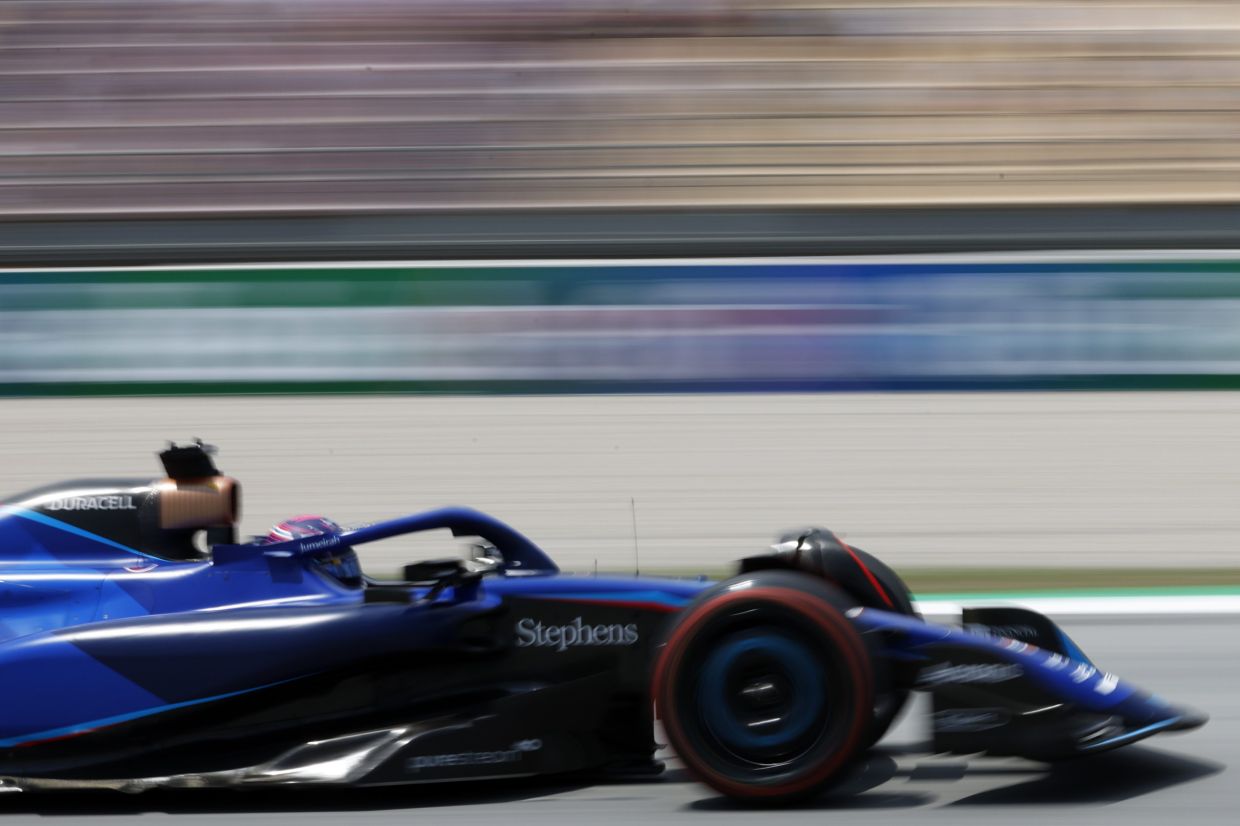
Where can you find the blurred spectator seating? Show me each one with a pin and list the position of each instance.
(149, 107)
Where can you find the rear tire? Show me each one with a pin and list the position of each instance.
(765, 688)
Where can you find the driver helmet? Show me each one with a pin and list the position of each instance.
(341, 563)
(302, 526)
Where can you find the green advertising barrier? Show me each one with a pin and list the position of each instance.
(983, 321)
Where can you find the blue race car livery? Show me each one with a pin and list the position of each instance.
(143, 646)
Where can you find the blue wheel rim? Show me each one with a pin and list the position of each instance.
(791, 663)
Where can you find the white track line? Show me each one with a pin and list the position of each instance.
(1143, 605)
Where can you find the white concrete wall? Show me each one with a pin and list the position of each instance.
(1132, 479)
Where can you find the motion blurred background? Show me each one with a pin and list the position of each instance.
(1015, 209)
(225, 107)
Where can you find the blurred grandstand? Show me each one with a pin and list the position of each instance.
(150, 131)
(498, 196)
(475, 127)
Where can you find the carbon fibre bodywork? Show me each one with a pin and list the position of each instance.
(251, 665)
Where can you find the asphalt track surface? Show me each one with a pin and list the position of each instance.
(1182, 779)
(1032, 479)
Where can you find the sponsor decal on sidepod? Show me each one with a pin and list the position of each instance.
(512, 754)
(576, 634)
(93, 503)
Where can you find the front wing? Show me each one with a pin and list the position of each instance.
(995, 694)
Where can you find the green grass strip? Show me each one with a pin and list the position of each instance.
(1024, 583)
(1056, 581)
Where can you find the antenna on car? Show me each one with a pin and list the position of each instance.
(637, 568)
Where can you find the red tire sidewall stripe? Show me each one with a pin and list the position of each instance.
(838, 629)
(869, 575)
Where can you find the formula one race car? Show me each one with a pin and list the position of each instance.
(142, 646)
